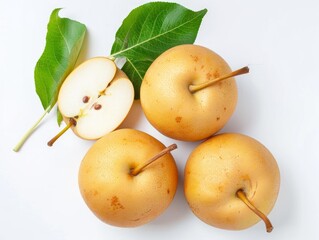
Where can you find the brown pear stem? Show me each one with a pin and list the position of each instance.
(140, 167)
(194, 88)
(71, 123)
(242, 196)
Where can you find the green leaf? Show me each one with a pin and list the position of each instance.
(148, 31)
(63, 44)
(59, 117)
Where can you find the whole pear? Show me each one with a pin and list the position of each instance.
(189, 92)
(128, 178)
(231, 182)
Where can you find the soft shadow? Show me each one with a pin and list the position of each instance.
(178, 210)
(84, 51)
(248, 106)
(134, 116)
(287, 208)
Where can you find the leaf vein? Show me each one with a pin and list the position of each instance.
(135, 69)
(59, 28)
(155, 37)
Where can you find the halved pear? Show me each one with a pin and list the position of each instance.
(96, 97)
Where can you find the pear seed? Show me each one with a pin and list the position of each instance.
(85, 99)
(97, 106)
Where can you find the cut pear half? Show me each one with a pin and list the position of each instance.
(97, 97)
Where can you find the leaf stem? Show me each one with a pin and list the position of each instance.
(31, 130)
(111, 57)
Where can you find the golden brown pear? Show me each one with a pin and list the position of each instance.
(188, 93)
(126, 178)
(224, 170)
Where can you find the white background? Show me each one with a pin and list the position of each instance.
(278, 105)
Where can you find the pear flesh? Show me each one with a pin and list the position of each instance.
(97, 97)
